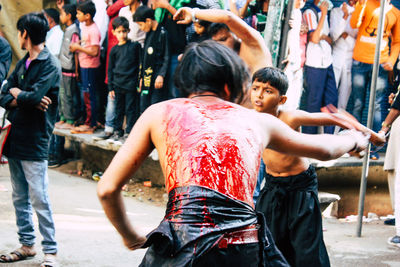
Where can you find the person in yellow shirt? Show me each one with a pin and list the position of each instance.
(366, 17)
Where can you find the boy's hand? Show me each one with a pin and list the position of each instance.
(183, 15)
(391, 98)
(324, 7)
(44, 104)
(303, 28)
(159, 82)
(74, 47)
(387, 66)
(112, 94)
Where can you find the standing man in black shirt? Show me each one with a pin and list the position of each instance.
(155, 59)
(123, 75)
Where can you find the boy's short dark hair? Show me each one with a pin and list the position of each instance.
(142, 13)
(274, 77)
(209, 66)
(214, 28)
(120, 21)
(36, 26)
(71, 10)
(53, 13)
(87, 7)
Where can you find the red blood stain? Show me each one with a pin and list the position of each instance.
(211, 145)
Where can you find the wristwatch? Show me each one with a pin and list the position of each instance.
(194, 10)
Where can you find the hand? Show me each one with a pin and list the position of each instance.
(158, 84)
(344, 35)
(327, 38)
(134, 242)
(324, 7)
(387, 66)
(44, 104)
(183, 15)
(361, 139)
(345, 10)
(112, 94)
(73, 47)
(391, 98)
(60, 4)
(15, 92)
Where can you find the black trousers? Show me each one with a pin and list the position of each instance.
(126, 104)
(291, 209)
(151, 96)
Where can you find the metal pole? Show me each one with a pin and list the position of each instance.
(371, 108)
(284, 47)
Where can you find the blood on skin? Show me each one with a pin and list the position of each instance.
(211, 145)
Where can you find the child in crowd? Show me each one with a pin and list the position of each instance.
(69, 91)
(289, 199)
(155, 58)
(55, 35)
(135, 34)
(201, 29)
(123, 75)
(89, 61)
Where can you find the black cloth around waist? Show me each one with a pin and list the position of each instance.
(195, 221)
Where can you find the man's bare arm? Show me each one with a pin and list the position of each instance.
(128, 159)
(253, 49)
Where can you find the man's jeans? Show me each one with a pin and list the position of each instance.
(29, 182)
(361, 82)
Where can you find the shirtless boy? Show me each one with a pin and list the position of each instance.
(209, 150)
(289, 200)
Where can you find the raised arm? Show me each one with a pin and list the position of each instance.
(253, 49)
(128, 159)
(320, 146)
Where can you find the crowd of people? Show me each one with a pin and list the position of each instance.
(153, 64)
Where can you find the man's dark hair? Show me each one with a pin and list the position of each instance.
(209, 66)
(142, 13)
(205, 24)
(214, 28)
(53, 13)
(87, 7)
(36, 26)
(120, 21)
(71, 10)
(274, 77)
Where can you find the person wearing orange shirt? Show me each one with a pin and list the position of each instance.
(366, 17)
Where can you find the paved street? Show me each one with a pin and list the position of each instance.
(86, 238)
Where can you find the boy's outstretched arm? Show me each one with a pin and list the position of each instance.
(284, 139)
(299, 118)
(253, 49)
(128, 159)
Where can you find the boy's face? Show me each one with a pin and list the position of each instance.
(64, 17)
(198, 28)
(265, 98)
(121, 33)
(145, 26)
(22, 40)
(81, 16)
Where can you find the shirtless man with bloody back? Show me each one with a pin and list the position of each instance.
(209, 150)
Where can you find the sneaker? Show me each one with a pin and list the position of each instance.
(103, 136)
(115, 137)
(374, 155)
(391, 221)
(121, 140)
(394, 241)
(54, 163)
